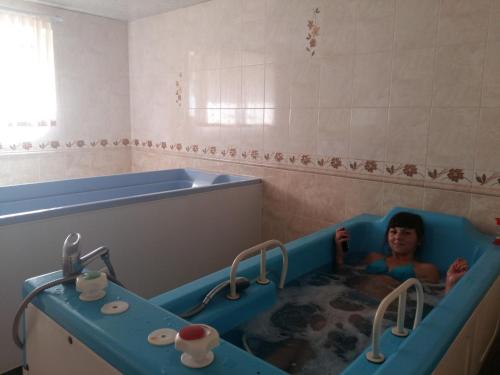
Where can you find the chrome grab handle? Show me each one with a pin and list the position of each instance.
(401, 291)
(262, 249)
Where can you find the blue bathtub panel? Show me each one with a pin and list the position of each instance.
(49, 199)
(121, 340)
(389, 344)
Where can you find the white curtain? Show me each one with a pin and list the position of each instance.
(27, 78)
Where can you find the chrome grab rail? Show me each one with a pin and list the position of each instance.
(262, 248)
(401, 291)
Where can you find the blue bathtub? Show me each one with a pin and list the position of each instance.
(164, 228)
(35, 201)
(422, 352)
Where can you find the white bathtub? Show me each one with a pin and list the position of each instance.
(164, 229)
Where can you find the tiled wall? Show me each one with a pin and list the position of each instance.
(363, 104)
(297, 202)
(93, 117)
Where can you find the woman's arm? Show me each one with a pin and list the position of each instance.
(341, 236)
(456, 271)
(371, 257)
(427, 272)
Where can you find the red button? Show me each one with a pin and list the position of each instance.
(192, 332)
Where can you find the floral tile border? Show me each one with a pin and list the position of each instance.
(407, 171)
(413, 173)
(486, 179)
(457, 176)
(59, 145)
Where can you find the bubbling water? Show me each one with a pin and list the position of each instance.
(322, 321)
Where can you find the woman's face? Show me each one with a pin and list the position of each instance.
(402, 241)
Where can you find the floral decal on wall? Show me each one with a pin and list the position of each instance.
(456, 178)
(312, 32)
(483, 178)
(56, 145)
(178, 90)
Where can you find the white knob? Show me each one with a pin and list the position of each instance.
(196, 341)
(91, 285)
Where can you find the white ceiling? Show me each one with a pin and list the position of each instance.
(125, 10)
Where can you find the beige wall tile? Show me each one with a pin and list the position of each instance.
(487, 141)
(4, 170)
(463, 28)
(491, 76)
(230, 127)
(330, 198)
(304, 85)
(278, 28)
(370, 9)
(107, 162)
(254, 42)
(448, 202)
(252, 129)
(78, 164)
(375, 34)
(337, 38)
(276, 129)
(372, 79)
(364, 197)
(368, 133)
(301, 195)
(298, 227)
(402, 196)
(208, 129)
(21, 169)
(211, 86)
(52, 166)
(253, 86)
(303, 130)
(416, 23)
(338, 10)
(275, 189)
(458, 75)
(336, 81)
(230, 87)
(495, 5)
(277, 86)
(456, 7)
(494, 26)
(407, 135)
(451, 137)
(483, 211)
(333, 132)
(412, 78)
(274, 225)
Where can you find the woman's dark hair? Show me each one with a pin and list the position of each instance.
(407, 220)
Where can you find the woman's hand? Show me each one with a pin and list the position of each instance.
(456, 271)
(341, 236)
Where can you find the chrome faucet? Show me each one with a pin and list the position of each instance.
(73, 262)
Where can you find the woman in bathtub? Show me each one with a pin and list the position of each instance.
(404, 235)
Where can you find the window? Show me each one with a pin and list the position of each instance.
(27, 78)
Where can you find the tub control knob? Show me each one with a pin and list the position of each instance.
(196, 341)
(91, 285)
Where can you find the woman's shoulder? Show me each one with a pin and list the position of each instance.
(372, 257)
